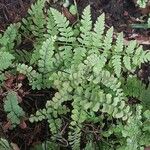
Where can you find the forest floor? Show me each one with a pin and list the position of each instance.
(119, 13)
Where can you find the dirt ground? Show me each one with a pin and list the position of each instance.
(119, 13)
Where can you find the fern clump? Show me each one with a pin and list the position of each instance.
(86, 68)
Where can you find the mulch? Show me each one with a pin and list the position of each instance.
(12, 11)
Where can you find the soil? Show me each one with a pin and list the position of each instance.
(119, 13)
(12, 11)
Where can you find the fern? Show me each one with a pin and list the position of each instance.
(9, 37)
(34, 77)
(22, 56)
(66, 35)
(12, 108)
(51, 114)
(51, 26)
(74, 138)
(136, 89)
(133, 87)
(34, 27)
(85, 80)
(98, 31)
(145, 98)
(46, 54)
(36, 20)
(87, 71)
(63, 27)
(46, 62)
(108, 39)
(116, 59)
(7, 43)
(132, 131)
(86, 26)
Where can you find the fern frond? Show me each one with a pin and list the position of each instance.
(36, 20)
(99, 27)
(39, 116)
(100, 64)
(46, 53)
(127, 59)
(4, 144)
(136, 57)
(53, 109)
(10, 35)
(79, 54)
(86, 26)
(131, 47)
(22, 56)
(54, 124)
(66, 35)
(145, 57)
(46, 61)
(78, 117)
(144, 97)
(66, 32)
(66, 54)
(35, 54)
(116, 62)
(108, 39)
(132, 130)
(133, 87)
(34, 77)
(13, 110)
(52, 29)
(127, 62)
(74, 138)
(119, 43)
(36, 11)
